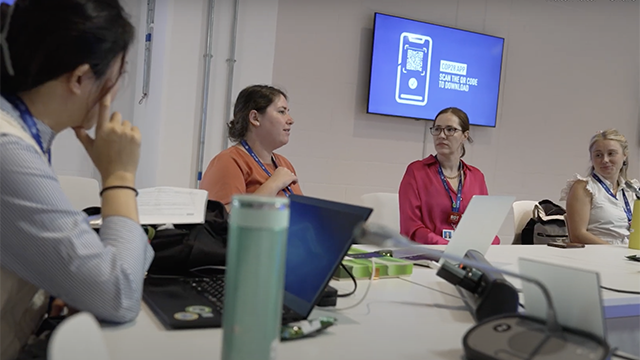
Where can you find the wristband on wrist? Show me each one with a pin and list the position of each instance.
(118, 187)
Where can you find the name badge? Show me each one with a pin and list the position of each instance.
(447, 234)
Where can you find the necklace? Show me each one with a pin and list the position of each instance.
(453, 177)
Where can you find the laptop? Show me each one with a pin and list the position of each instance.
(478, 227)
(319, 236)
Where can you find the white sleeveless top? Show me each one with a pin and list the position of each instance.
(22, 305)
(607, 219)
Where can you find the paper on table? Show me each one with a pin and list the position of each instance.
(163, 205)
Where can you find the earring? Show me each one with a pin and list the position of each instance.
(624, 163)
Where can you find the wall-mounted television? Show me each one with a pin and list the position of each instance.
(419, 68)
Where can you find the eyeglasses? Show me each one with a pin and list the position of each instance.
(448, 130)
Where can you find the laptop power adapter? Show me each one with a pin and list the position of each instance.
(329, 297)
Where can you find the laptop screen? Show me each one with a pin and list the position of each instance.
(320, 234)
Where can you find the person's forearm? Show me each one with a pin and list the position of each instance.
(58, 251)
(267, 189)
(585, 237)
(109, 284)
(119, 201)
(127, 279)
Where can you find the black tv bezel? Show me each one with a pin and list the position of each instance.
(373, 40)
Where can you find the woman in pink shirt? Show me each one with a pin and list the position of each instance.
(435, 191)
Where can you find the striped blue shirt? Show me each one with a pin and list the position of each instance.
(48, 243)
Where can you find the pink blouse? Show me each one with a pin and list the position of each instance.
(425, 205)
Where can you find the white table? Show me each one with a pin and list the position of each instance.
(621, 311)
(420, 317)
(396, 321)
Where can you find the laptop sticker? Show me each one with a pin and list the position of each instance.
(185, 316)
(198, 309)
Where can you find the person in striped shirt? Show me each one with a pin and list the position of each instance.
(61, 62)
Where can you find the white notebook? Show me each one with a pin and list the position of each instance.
(171, 205)
(167, 205)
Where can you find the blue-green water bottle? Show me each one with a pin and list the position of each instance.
(254, 278)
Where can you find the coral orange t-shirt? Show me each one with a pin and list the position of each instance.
(234, 171)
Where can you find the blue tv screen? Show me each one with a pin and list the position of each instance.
(418, 69)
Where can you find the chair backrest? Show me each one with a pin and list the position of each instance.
(82, 192)
(78, 338)
(522, 212)
(385, 207)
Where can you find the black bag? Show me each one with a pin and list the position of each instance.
(192, 249)
(546, 225)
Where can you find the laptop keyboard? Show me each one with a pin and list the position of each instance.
(213, 290)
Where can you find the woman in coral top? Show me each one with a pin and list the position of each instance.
(261, 124)
(435, 191)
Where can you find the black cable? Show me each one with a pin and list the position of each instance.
(621, 291)
(355, 283)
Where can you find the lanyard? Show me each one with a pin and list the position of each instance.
(30, 122)
(627, 208)
(455, 206)
(287, 191)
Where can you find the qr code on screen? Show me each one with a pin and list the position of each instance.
(414, 60)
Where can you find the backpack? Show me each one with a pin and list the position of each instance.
(191, 249)
(547, 224)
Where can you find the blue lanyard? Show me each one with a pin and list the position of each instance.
(627, 208)
(246, 146)
(29, 121)
(455, 206)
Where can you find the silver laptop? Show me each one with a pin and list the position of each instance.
(478, 227)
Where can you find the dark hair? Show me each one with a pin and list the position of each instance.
(47, 39)
(463, 119)
(254, 97)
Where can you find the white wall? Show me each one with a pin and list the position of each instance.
(174, 121)
(68, 155)
(558, 88)
(169, 118)
(254, 55)
(570, 69)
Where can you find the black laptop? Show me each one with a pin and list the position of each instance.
(320, 234)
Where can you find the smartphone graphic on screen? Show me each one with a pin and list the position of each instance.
(414, 62)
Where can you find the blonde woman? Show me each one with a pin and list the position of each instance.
(599, 206)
